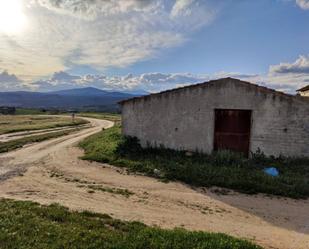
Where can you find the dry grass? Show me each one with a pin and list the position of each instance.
(11, 123)
(19, 143)
(107, 116)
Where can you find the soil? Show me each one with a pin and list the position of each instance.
(51, 172)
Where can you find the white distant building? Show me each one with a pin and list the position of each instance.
(304, 91)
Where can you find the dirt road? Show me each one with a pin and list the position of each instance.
(17, 135)
(52, 172)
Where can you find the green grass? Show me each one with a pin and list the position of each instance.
(40, 111)
(26, 111)
(19, 143)
(18, 123)
(223, 169)
(118, 191)
(26, 225)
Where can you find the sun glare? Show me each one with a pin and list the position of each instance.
(12, 18)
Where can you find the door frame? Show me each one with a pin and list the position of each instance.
(232, 109)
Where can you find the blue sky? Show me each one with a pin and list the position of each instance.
(245, 37)
(152, 45)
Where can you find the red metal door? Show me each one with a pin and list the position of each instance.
(232, 130)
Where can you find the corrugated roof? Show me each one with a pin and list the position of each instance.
(209, 83)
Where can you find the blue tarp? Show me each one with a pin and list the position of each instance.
(271, 171)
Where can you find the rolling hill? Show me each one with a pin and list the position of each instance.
(80, 99)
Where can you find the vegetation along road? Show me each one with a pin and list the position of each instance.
(52, 172)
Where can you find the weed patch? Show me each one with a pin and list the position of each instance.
(225, 169)
(27, 225)
(18, 123)
(92, 186)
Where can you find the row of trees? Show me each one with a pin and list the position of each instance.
(6, 110)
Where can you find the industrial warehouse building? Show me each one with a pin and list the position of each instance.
(224, 114)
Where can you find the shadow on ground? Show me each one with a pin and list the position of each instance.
(282, 212)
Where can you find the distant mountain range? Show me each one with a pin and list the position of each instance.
(80, 99)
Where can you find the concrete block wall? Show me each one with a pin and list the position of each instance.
(183, 119)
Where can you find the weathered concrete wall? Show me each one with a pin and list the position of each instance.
(183, 119)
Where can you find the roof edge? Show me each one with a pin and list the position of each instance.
(262, 88)
(305, 88)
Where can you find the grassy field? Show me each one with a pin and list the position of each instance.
(30, 111)
(26, 111)
(19, 143)
(224, 169)
(17, 123)
(26, 225)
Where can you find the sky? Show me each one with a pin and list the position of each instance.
(152, 45)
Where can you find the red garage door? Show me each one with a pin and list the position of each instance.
(232, 130)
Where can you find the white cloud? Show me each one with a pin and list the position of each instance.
(91, 9)
(150, 82)
(182, 7)
(285, 77)
(63, 77)
(9, 78)
(283, 83)
(234, 75)
(193, 13)
(300, 66)
(10, 82)
(101, 34)
(114, 33)
(155, 82)
(304, 4)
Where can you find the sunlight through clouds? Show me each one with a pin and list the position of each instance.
(100, 34)
(41, 37)
(12, 17)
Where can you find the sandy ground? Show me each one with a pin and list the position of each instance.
(51, 172)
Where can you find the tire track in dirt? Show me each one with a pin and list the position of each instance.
(16, 162)
(275, 223)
